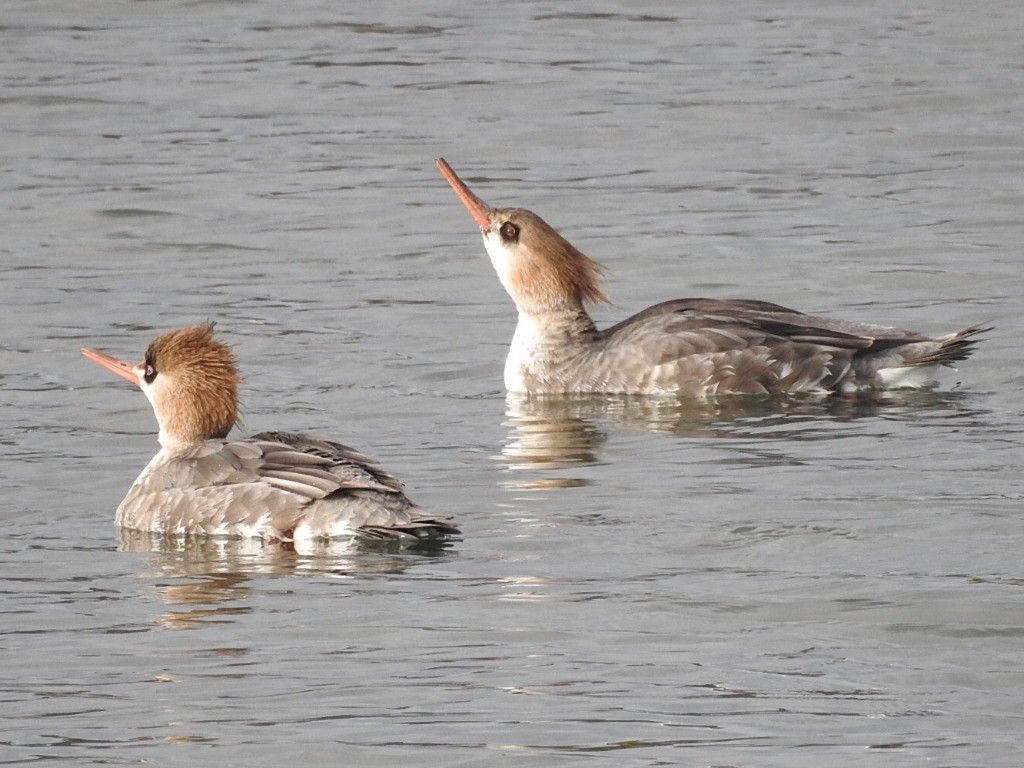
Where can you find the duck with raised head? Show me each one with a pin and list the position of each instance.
(689, 347)
(278, 486)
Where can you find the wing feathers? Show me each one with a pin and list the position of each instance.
(274, 484)
(707, 347)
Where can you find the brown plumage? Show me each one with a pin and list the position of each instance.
(202, 399)
(563, 272)
(692, 347)
(274, 485)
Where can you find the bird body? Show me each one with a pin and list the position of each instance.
(695, 347)
(274, 485)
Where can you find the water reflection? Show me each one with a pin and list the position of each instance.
(212, 575)
(559, 432)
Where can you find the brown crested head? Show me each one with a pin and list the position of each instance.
(542, 268)
(192, 381)
(539, 268)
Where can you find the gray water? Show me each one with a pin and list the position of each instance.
(793, 584)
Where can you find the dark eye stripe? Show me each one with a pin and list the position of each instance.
(149, 374)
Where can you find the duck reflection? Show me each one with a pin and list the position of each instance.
(205, 578)
(559, 432)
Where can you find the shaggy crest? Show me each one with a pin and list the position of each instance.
(548, 269)
(198, 399)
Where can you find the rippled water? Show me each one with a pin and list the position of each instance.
(639, 583)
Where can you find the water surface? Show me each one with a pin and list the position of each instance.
(639, 583)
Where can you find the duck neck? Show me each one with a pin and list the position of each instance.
(545, 342)
(559, 325)
(171, 443)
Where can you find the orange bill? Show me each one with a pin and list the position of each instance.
(120, 367)
(477, 208)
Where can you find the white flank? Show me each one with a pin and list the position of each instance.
(908, 376)
(338, 529)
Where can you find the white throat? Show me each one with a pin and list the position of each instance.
(523, 354)
(501, 260)
(157, 394)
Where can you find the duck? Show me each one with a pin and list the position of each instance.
(690, 347)
(276, 486)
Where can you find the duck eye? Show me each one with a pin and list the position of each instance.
(149, 374)
(509, 232)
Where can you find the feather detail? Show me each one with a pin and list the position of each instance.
(274, 485)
